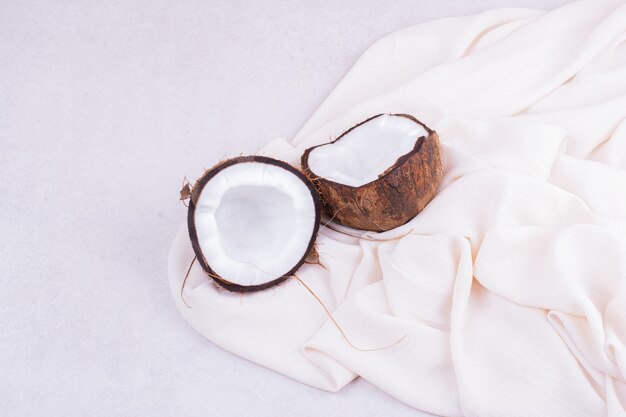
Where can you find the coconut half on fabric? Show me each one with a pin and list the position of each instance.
(252, 222)
(379, 174)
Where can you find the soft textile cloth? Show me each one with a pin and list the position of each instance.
(511, 285)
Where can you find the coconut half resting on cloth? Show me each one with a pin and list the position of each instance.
(253, 220)
(379, 174)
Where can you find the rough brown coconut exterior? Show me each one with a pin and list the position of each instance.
(193, 236)
(399, 193)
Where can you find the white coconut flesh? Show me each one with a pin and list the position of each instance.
(254, 222)
(366, 151)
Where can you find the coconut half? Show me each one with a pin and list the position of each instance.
(379, 174)
(252, 222)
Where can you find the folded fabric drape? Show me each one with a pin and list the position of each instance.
(510, 286)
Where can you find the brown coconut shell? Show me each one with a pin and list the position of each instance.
(395, 197)
(193, 236)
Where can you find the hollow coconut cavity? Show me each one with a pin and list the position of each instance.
(253, 222)
(379, 174)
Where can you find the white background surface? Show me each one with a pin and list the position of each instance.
(104, 107)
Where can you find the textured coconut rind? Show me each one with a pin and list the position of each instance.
(193, 236)
(395, 197)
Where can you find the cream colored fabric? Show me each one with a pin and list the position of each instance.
(511, 285)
